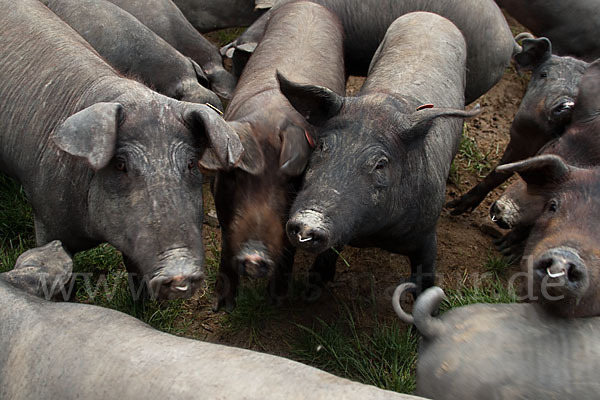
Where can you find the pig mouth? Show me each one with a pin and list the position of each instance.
(253, 260)
(308, 230)
(561, 273)
(179, 275)
(504, 213)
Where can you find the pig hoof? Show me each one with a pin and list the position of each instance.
(228, 305)
(460, 206)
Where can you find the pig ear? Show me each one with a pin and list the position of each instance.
(200, 75)
(91, 133)
(253, 159)
(543, 170)
(588, 102)
(295, 150)
(535, 52)
(315, 103)
(420, 121)
(224, 148)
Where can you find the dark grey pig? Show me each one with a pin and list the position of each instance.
(542, 116)
(210, 15)
(103, 158)
(489, 40)
(502, 351)
(253, 206)
(134, 50)
(572, 26)
(166, 20)
(78, 351)
(377, 176)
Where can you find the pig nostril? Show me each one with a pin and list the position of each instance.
(562, 107)
(574, 272)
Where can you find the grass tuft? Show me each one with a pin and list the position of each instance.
(385, 356)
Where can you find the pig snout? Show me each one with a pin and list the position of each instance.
(561, 109)
(307, 230)
(564, 268)
(503, 212)
(254, 261)
(179, 275)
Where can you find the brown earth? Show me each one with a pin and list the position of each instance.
(464, 246)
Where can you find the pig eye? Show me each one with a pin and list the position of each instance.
(191, 164)
(543, 74)
(552, 206)
(121, 166)
(381, 164)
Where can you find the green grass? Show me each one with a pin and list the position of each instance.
(474, 159)
(469, 159)
(492, 290)
(497, 265)
(252, 312)
(16, 223)
(384, 356)
(225, 36)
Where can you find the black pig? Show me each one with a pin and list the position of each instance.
(377, 176)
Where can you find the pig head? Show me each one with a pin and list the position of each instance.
(561, 255)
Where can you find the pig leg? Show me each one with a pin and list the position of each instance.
(321, 272)
(469, 201)
(279, 283)
(422, 263)
(227, 283)
(512, 245)
(41, 234)
(323, 268)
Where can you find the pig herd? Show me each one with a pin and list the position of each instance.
(113, 112)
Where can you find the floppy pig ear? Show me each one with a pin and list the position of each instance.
(535, 52)
(91, 133)
(543, 170)
(315, 103)
(295, 150)
(224, 148)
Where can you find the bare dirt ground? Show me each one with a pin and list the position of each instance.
(372, 274)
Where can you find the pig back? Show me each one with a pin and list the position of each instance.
(79, 351)
(509, 351)
(46, 71)
(422, 56)
(303, 41)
